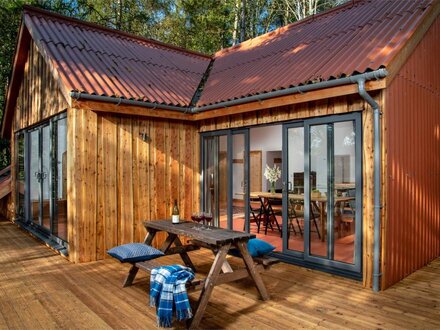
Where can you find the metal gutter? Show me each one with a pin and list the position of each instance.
(377, 183)
(119, 100)
(378, 74)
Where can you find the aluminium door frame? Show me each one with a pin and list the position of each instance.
(229, 133)
(285, 178)
(357, 264)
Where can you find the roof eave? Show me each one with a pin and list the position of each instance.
(21, 53)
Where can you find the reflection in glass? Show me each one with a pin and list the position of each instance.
(216, 178)
(238, 182)
(20, 186)
(45, 176)
(345, 191)
(318, 189)
(60, 216)
(34, 176)
(295, 230)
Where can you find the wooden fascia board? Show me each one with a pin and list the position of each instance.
(242, 108)
(21, 54)
(401, 56)
(47, 58)
(132, 110)
(290, 99)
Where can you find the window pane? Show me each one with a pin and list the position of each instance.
(34, 176)
(295, 206)
(318, 189)
(345, 191)
(60, 220)
(20, 209)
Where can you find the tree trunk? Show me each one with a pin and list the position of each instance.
(243, 21)
(236, 19)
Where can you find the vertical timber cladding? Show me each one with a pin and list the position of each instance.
(39, 98)
(124, 171)
(330, 106)
(413, 174)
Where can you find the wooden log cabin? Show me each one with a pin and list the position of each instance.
(107, 129)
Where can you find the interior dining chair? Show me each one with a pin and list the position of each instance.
(271, 211)
(348, 212)
(255, 211)
(296, 212)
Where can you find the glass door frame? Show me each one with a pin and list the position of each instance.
(229, 135)
(285, 178)
(356, 266)
(52, 186)
(40, 188)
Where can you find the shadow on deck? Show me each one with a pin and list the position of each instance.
(39, 289)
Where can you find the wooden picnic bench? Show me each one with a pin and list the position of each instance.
(219, 241)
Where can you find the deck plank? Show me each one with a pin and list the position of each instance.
(39, 288)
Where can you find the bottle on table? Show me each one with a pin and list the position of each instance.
(175, 218)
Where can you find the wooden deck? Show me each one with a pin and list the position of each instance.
(40, 289)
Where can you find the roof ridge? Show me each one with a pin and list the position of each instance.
(35, 10)
(289, 26)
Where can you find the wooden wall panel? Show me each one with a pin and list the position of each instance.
(135, 168)
(332, 106)
(40, 96)
(412, 150)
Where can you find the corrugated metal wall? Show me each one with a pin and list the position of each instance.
(413, 162)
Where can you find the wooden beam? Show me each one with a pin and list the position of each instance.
(403, 54)
(290, 99)
(131, 110)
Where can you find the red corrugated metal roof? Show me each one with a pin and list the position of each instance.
(353, 38)
(100, 61)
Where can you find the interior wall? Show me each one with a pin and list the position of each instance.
(123, 171)
(413, 172)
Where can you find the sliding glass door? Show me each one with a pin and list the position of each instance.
(323, 195)
(225, 177)
(42, 177)
(314, 216)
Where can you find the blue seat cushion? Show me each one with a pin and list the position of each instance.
(256, 248)
(134, 252)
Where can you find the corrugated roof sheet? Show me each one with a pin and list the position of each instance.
(357, 37)
(101, 61)
(353, 38)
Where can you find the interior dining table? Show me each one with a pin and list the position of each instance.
(320, 202)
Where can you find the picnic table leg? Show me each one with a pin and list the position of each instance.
(209, 285)
(253, 272)
(184, 255)
(134, 270)
(226, 267)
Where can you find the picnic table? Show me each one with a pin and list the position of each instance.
(218, 240)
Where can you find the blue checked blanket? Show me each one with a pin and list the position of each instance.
(168, 291)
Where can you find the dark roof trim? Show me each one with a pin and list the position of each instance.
(20, 56)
